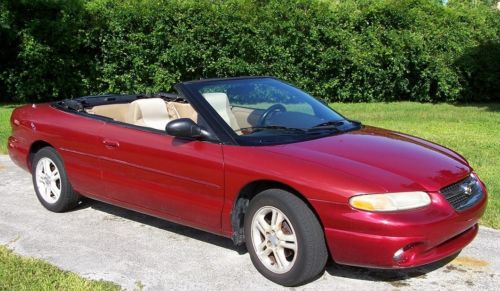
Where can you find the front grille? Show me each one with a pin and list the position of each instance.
(463, 194)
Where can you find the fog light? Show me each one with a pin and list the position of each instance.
(398, 255)
(405, 253)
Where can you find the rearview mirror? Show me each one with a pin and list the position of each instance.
(186, 128)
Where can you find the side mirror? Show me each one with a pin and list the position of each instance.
(186, 128)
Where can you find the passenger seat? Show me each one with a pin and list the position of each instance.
(151, 112)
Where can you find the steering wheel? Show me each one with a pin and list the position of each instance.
(269, 111)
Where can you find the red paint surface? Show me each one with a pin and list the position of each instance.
(196, 183)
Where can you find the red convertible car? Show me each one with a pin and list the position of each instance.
(259, 161)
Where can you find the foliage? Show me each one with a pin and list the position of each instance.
(365, 50)
(45, 54)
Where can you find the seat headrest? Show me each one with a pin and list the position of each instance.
(220, 103)
(217, 100)
(151, 107)
(151, 112)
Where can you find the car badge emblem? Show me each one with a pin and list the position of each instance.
(467, 189)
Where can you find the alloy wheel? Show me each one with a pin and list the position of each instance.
(274, 239)
(48, 180)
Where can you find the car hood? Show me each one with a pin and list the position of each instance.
(391, 160)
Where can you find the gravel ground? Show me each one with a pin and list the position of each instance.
(100, 241)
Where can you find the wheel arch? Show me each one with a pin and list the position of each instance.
(34, 148)
(246, 194)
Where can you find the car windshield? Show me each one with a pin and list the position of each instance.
(266, 110)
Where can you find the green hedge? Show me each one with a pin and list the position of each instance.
(371, 50)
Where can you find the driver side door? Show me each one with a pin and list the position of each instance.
(150, 171)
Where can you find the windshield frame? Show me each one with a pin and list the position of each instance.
(227, 135)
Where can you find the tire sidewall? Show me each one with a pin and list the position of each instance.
(50, 153)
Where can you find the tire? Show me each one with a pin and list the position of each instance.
(292, 252)
(51, 183)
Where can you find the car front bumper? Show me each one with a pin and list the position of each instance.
(398, 240)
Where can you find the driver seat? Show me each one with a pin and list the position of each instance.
(220, 103)
(151, 112)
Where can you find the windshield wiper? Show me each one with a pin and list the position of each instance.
(329, 126)
(276, 127)
(331, 123)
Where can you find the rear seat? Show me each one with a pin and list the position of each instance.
(147, 112)
(116, 111)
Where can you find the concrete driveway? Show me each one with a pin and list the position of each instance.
(100, 241)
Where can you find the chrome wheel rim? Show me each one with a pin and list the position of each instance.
(274, 239)
(48, 180)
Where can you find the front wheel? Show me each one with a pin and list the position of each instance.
(285, 240)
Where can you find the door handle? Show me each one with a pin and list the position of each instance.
(110, 143)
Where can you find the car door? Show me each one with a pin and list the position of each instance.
(181, 180)
(77, 139)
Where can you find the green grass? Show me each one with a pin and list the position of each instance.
(5, 111)
(471, 130)
(21, 273)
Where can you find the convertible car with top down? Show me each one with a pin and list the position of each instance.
(261, 162)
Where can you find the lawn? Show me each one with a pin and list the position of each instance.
(471, 130)
(21, 273)
(5, 111)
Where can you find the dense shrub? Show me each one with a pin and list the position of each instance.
(371, 50)
(45, 52)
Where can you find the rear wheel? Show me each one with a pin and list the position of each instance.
(50, 181)
(284, 238)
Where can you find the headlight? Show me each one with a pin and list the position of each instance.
(390, 201)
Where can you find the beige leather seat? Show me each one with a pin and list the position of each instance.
(117, 112)
(220, 103)
(181, 110)
(151, 112)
